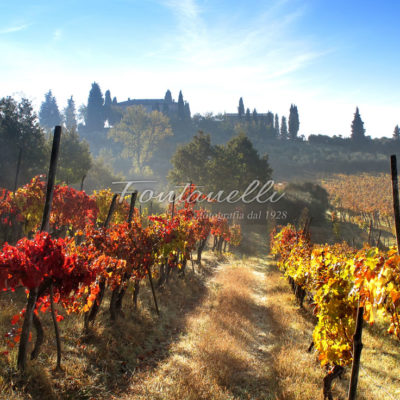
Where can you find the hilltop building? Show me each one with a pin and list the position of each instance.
(167, 105)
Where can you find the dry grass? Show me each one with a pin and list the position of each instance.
(223, 353)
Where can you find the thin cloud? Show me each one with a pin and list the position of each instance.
(262, 43)
(13, 29)
(57, 34)
(187, 9)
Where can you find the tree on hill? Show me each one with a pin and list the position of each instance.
(276, 126)
(190, 161)
(49, 114)
(239, 161)
(140, 132)
(241, 108)
(248, 115)
(270, 119)
(284, 131)
(100, 175)
(82, 114)
(255, 115)
(203, 164)
(94, 120)
(20, 139)
(70, 115)
(181, 107)
(396, 133)
(75, 159)
(112, 112)
(168, 96)
(107, 108)
(187, 111)
(294, 122)
(357, 127)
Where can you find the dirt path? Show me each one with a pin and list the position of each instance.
(231, 345)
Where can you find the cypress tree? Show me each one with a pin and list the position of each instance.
(294, 122)
(396, 133)
(70, 115)
(248, 115)
(241, 108)
(270, 119)
(276, 126)
(107, 107)
(187, 111)
(181, 106)
(284, 131)
(168, 96)
(357, 127)
(107, 98)
(94, 113)
(49, 114)
(255, 115)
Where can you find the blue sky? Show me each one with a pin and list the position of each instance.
(325, 56)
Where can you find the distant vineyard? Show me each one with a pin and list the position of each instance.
(362, 198)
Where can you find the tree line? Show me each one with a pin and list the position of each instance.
(101, 111)
(25, 146)
(285, 129)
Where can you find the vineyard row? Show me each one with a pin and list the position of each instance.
(339, 279)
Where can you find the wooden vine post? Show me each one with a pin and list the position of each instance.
(136, 292)
(136, 286)
(33, 293)
(18, 169)
(396, 206)
(82, 181)
(357, 348)
(173, 207)
(111, 211)
(132, 206)
(56, 330)
(357, 339)
(90, 316)
(153, 291)
(119, 292)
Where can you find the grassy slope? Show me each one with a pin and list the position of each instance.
(231, 332)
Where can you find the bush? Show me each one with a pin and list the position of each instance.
(304, 196)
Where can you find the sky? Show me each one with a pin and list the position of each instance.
(327, 57)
